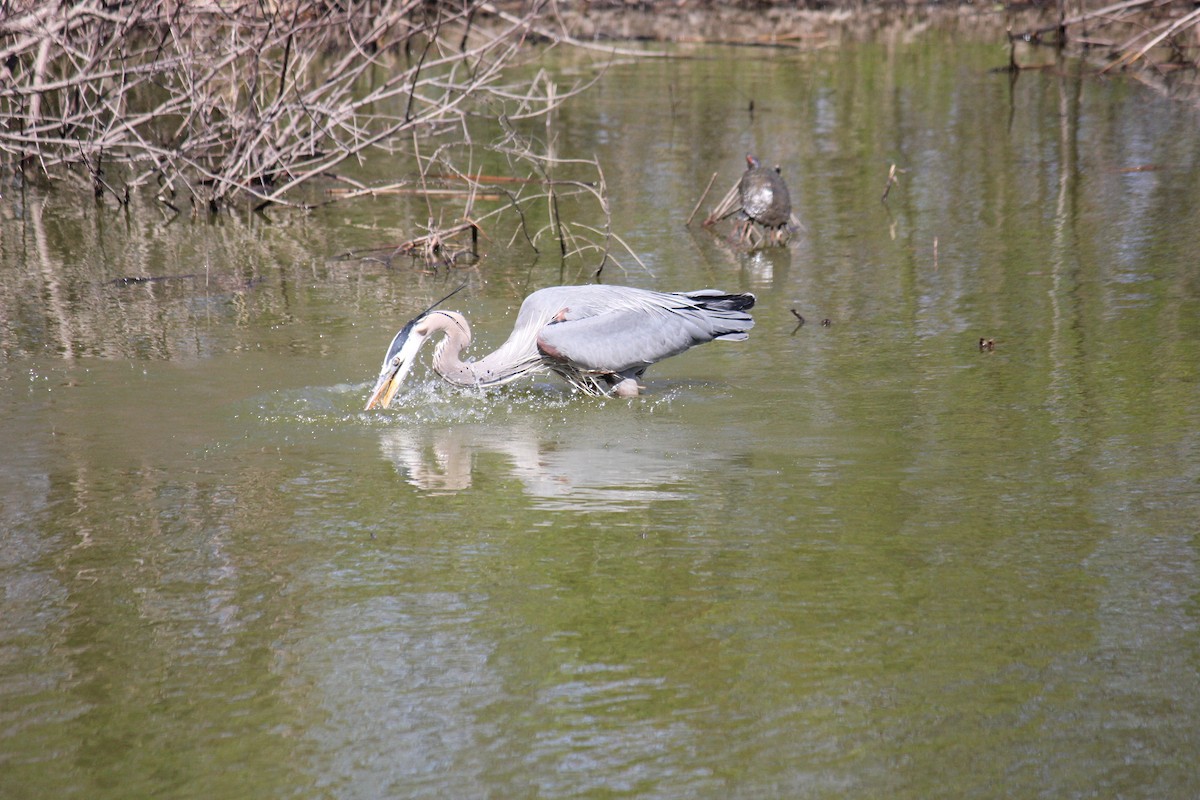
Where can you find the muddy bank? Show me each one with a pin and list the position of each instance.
(1156, 42)
(783, 25)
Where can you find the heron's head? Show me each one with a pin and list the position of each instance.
(403, 351)
(401, 354)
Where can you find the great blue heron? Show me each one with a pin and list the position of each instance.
(765, 200)
(600, 339)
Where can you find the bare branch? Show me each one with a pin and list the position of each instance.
(247, 99)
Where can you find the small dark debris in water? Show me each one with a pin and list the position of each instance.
(799, 321)
(133, 280)
(987, 345)
(825, 323)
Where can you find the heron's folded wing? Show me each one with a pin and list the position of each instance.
(625, 339)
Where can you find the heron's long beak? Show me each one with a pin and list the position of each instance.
(399, 360)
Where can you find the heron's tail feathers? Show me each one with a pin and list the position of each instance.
(724, 315)
(716, 300)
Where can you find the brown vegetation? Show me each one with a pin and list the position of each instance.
(208, 101)
(1158, 39)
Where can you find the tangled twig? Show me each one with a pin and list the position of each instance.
(214, 102)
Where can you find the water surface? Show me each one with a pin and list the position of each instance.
(862, 558)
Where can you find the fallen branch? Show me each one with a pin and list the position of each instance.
(1079, 19)
(1132, 29)
(1128, 58)
(395, 189)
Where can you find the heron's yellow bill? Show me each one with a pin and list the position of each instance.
(399, 360)
(385, 389)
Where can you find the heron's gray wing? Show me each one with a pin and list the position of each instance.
(634, 336)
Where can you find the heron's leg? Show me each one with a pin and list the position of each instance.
(625, 384)
(626, 388)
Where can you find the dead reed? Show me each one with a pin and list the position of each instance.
(212, 101)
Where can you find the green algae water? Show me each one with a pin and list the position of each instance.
(859, 557)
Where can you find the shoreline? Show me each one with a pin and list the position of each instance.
(1156, 45)
(777, 26)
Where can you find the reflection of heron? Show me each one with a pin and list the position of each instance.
(765, 200)
(598, 338)
(563, 467)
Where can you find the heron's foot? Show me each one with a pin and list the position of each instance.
(626, 388)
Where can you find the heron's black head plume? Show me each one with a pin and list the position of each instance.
(401, 337)
(444, 299)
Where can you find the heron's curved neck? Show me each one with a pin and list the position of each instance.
(447, 356)
(501, 366)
